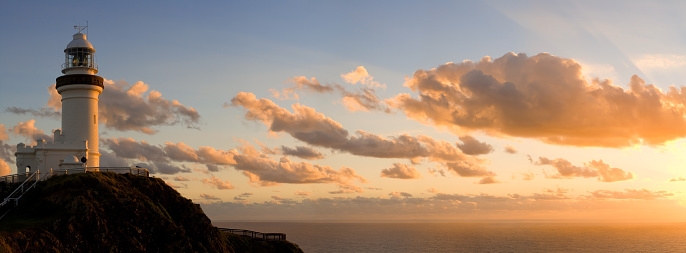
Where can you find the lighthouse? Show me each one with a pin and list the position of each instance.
(76, 144)
(80, 88)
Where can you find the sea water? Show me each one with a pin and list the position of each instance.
(476, 236)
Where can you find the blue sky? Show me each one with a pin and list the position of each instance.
(203, 55)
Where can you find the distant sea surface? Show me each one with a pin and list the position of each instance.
(488, 236)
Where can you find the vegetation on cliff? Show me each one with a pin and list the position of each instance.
(107, 212)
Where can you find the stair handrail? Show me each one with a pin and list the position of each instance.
(35, 174)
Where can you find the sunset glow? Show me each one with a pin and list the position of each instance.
(363, 111)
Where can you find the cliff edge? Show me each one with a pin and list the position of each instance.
(107, 212)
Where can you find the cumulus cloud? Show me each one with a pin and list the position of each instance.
(7, 151)
(643, 194)
(153, 157)
(594, 168)
(126, 107)
(216, 182)
(257, 166)
(28, 129)
(313, 128)
(472, 146)
(361, 76)
(302, 152)
(363, 100)
(401, 171)
(544, 97)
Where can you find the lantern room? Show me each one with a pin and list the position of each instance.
(79, 56)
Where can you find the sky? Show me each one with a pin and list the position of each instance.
(373, 110)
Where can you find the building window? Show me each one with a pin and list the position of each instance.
(95, 121)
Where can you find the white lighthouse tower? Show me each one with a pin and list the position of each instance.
(76, 144)
(80, 88)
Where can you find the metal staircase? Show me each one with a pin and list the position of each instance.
(30, 180)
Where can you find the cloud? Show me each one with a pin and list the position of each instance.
(364, 100)
(110, 159)
(302, 83)
(125, 107)
(400, 194)
(4, 168)
(7, 151)
(209, 197)
(180, 178)
(472, 146)
(302, 193)
(216, 182)
(313, 128)
(510, 149)
(242, 196)
(265, 171)
(677, 179)
(302, 152)
(401, 171)
(257, 166)
(488, 180)
(608, 174)
(43, 112)
(129, 148)
(594, 168)
(361, 76)
(543, 97)
(660, 61)
(643, 194)
(29, 130)
(3, 133)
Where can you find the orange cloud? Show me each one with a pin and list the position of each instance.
(209, 197)
(544, 97)
(361, 76)
(472, 146)
(302, 152)
(594, 168)
(4, 168)
(216, 182)
(3, 133)
(29, 130)
(643, 194)
(126, 107)
(401, 171)
(311, 127)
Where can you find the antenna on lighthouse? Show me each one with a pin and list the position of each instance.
(80, 28)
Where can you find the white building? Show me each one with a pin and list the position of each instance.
(76, 144)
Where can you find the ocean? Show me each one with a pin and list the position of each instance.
(489, 236)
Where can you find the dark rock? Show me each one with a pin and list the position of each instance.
(107, 212)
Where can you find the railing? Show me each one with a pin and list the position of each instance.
(15, 178)
(256, 235)
(119, 170)
(19, 192)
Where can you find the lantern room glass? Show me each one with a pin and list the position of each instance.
(79, 57)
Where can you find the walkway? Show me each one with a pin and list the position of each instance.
(256, 235)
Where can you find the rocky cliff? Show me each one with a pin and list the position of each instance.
(107, 212)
